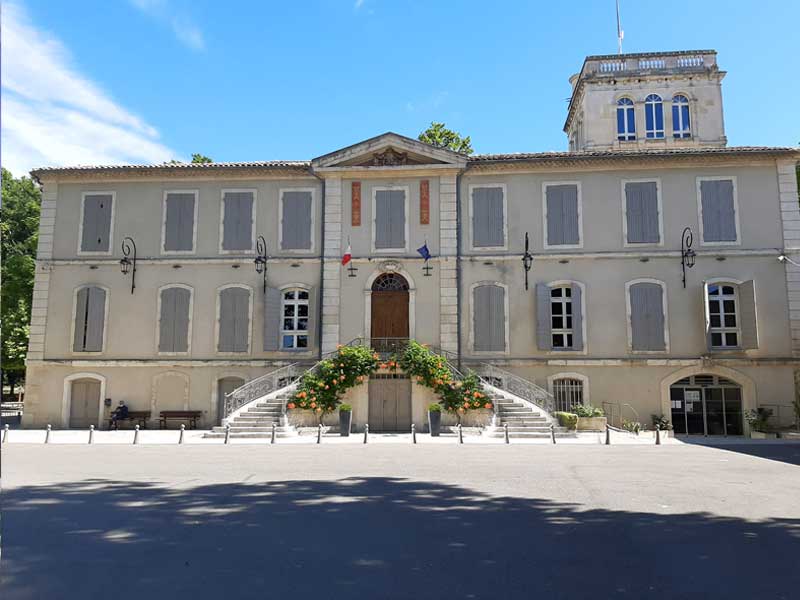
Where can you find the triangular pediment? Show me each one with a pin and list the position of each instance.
(389, 150)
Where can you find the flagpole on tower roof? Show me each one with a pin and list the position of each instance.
(620, 33)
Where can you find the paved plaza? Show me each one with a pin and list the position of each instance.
(382, 520)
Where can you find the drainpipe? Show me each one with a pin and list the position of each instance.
(321, 264)
(458, 267)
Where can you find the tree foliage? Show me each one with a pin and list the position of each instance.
(440, 136)
(19, 226)
(200, 158)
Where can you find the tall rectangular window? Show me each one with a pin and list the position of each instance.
(97, 210)
(723, 321)
(718, 208)
(174, 318)
(390, 219)
(562, 221)
(646, 302)
(626, 120)
(654, 117)
(489, 318)
(234, 320)
(237, 220)
(680, 117)
(642, 219)
(296, 218)
(179, 225)
(295, 321)
(90, 318)
(488, 217)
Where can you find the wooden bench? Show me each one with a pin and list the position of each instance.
(142, 416)
(179, 415)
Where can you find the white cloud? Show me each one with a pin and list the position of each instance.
(52, 115)
(182, 26)
(358, 4)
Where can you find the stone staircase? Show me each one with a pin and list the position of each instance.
(256, 420)
(523, 420)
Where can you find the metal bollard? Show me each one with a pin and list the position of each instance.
(413, 433)
(91, 433)
(658, 436)
(180, 438)
(608, 435)
(5, 433)
(227, 432)
(505, 433)
(319, 433)
(272, 439)
(136, 435)
(460, 435)
(553, 433)
(47, 435)
(366, 432)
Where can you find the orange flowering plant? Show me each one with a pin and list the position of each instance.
(322, 389)
(431, 370)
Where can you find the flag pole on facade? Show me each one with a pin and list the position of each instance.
(347, 258)
(425, 254)
(620, 33)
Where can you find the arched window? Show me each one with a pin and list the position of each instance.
(723, 326)
(681, 127)
(654, 117)
(294, 330)
(626, 120)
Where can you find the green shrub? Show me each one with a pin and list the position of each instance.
(586, 410)
(661, 422)
(434, 407)
(345, 408)
(568, 420)
(632, 426)
(758, 418)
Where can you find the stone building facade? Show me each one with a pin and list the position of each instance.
(605, 317)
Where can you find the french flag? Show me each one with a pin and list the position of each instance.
(348, 256)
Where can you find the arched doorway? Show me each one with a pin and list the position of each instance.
(389, 325)
(225, 385)
(84, 406)
(706, 404)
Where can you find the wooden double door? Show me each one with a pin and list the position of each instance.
(389, 403)
(84, 406)
(389, 318)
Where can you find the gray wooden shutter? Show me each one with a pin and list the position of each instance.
(234, 320)
(487, 217)
(642, 217)
(96, 223)
(748, 322)
(95, 320)
(272, 319)
(382, 219)
(544, 337)
(180, 223)
(719, 215)
(489, 318)
(296, 225)
(577, 318)
(238, 221)
(647, 317)
(397, 219)
(562, 215)
(182, 304)
(81, 302)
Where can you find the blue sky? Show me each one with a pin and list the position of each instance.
(92, 81)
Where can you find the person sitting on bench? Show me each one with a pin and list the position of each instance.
(120, 414)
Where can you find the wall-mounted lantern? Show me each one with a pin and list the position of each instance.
(261, 259)
(687, 254)
(527, 259)
(126, 264)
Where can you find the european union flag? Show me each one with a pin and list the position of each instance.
(424, 252)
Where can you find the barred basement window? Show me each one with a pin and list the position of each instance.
(561, 317)
(568, 393)
(294, 332)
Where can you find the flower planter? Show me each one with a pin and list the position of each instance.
(762, 435)
(345, 421)
(435, 422)
(592, 423)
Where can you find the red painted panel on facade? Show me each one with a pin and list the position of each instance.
(355, 205)
(424, 202)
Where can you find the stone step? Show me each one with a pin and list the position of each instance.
(254, 429)
(533, 428)
(254, 422)
(524, 422)
(263, 411)
(256, 435)
(529, 435)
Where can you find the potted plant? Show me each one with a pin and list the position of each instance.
(758, 419)
(435, 419)
(661, 423)
(345, 419)
(590, 418)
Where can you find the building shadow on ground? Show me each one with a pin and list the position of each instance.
(374, 538)
(782, 451)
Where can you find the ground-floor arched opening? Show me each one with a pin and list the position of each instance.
(706, 404)
(225, 385)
